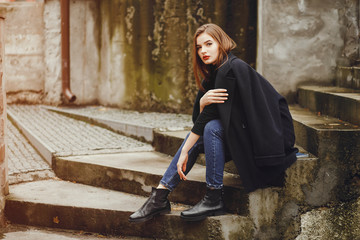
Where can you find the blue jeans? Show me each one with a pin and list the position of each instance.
(212, 143)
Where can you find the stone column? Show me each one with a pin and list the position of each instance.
(4, 188)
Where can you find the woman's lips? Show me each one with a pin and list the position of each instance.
(206, 57)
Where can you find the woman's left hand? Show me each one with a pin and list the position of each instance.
(181, 164)
(218, 95)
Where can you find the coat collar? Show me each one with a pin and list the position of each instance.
(225, 109)
(225, 66)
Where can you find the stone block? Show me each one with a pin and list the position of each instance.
(24, 48)
(300, 175)
(263, 206)
(343, 103)
(30, 20)
(27, 73)
(23, 44)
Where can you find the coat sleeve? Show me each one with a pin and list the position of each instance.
(260, 102)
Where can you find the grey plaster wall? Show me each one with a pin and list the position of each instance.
(299, 41)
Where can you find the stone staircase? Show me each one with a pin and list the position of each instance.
(100, 184)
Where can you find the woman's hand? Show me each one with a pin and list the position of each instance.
(218, 95)
(181, 164)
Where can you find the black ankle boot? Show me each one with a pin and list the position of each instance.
(211, 205)
(156, 204)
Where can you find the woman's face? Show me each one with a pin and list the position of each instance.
(207, 48)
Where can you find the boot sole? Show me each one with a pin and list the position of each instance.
(151, 216)
(202, 217)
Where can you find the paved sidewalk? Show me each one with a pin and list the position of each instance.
(24, 162)
(65, 136)
(161, 121)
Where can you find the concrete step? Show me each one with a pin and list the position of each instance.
(136, 173)
(337, 145)
(343, 103)
(168, 142)
(22, 232)
(325, 137)
(66, 205)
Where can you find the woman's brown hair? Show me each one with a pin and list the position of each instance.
(226, 44)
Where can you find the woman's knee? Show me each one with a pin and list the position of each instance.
(213, 127)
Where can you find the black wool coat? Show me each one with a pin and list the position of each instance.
(259, 133)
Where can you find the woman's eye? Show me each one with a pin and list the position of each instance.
(208, 44)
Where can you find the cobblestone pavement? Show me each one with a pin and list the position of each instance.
(24, 163)
(66, 136)
(163, 121)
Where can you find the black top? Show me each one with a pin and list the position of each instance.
(210, 112)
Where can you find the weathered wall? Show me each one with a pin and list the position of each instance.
(299, 41)
(4, 189)
(136, 54)
(145, 55)
(24, 51)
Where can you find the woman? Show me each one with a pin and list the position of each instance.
(237, 116)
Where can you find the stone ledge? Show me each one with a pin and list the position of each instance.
(343, 103)
(137, 173)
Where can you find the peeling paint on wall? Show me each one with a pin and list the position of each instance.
(154, 40)
(129, 23)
